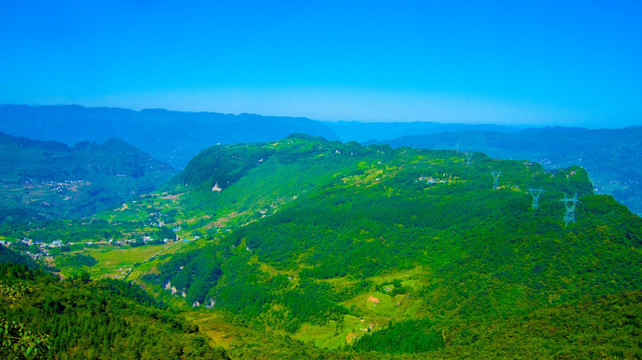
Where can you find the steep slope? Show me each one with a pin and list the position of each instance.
(610, 156)
(51, 180)
(326, 241)
(45, 318)
(170, 136)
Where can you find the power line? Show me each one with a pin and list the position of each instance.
(496, 175)
(469, 157)
(535, 193)
(570, 204)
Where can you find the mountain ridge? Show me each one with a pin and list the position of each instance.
(176, 137)
(393, 234)
(284, 248)
(609, 155)
(170, 136)
(52, 180)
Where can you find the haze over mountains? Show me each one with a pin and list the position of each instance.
(335, 180)
(169, 136)
(48, 179)
(175, 137)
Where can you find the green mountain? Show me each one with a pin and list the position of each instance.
(41, 179)
(307, 248)
(611, 156)
(328, 241)
(43, 317)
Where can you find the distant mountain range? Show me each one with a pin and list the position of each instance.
(610, 156)
(48, 179)
(169, 136)
(365, 132)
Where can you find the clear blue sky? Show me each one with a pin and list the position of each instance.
(520, 62)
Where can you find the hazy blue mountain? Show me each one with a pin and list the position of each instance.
(50, 179)
(361, 132)
(611, 157)
(175, 137)
(170, 136)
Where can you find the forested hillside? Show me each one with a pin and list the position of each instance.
(47, 179)
(45, 318)
(307, 248)
(331, 239)
(609, 155)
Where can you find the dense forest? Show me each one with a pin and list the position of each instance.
(78, 318)
(307, 248)
(48, 179)
(474, 251)
(609, 155)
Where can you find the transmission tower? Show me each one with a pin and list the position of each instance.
(496, 175)
(570, 204)
(535, 193)
(469, 157)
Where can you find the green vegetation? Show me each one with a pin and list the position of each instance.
(412, 336)
(611, 156)
(323, 249)
(304, 260)
(81, 319)
(47, 179)
(76, 260)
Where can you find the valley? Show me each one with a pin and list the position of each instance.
(47, 179)
(309, 248)
(322, 180)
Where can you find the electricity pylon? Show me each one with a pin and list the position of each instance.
(570, 204)
(535, 193)
(496, 175)
(469, 157)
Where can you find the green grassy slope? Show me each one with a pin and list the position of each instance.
(330, 241)
(317, 249)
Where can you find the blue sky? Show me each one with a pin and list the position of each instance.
(507, 62)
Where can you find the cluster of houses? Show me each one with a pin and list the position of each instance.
(44, 247)
(429, 180)
(58, 186)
